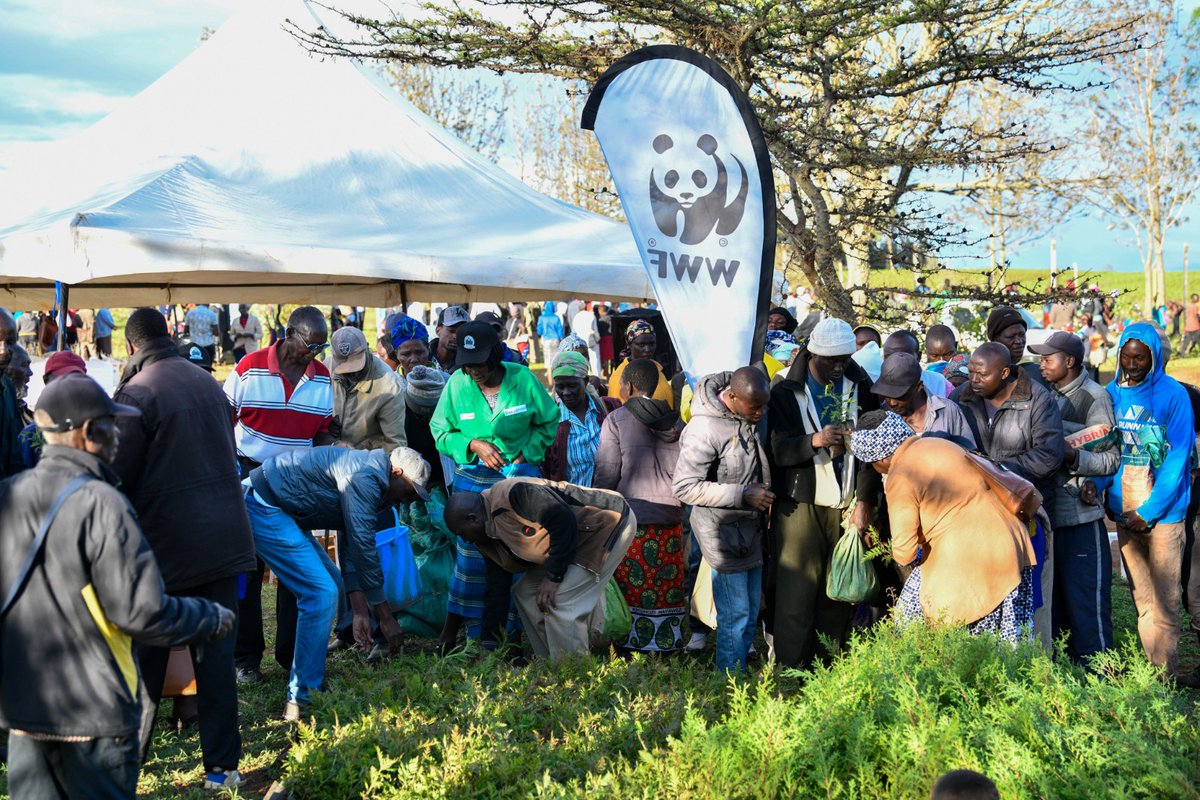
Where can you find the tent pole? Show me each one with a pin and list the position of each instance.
(404, 297)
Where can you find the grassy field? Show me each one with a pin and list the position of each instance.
(888, 717)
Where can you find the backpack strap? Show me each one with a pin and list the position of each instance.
(39, 542)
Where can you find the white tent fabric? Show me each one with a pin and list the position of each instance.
(255, 172)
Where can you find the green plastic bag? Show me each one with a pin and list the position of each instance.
(434, 550)
(851, 577)
(611, 621)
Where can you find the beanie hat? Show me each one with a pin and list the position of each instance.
(1003, 317)
(832, 337)
(425, 385)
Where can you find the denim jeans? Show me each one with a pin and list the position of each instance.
(301, 564)
(736, 595)
(98, 769)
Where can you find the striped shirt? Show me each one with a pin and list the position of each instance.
(273, 416)
(583, 438)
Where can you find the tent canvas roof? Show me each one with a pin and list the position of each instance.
(255, 172)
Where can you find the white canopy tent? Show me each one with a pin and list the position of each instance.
(255, 172)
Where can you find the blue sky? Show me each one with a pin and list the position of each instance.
(66, 63)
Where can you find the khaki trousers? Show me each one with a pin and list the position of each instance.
(1153, 562)
(564, 629)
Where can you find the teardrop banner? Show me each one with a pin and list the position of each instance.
(692, 170)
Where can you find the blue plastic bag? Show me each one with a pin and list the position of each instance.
(401, 578)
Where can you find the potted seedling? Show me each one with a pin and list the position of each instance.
(839, 411)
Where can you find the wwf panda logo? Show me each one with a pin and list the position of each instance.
(693, 182)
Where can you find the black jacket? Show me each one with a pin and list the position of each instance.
(178, 465)
(59, 674)
(1026, 434)
(791, 449)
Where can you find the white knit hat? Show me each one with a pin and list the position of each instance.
(832, 337)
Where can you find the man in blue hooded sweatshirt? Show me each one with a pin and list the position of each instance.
(1149, 494)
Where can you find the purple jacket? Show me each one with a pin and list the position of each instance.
(639, 462)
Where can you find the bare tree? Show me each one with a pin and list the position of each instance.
(853, 95)
(1144, 136)
(473, 108)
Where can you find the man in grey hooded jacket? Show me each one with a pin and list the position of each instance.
(722, 472)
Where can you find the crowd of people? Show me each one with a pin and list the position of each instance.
(985, 476)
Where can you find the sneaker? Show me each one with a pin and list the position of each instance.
(697, 643)
(293, 710)
(221, 779)
(249, 675)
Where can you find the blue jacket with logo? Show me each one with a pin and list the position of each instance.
(1157, 435)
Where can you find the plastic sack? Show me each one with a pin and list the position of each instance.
(851, 577)
(434, 548)
(401, 577)
(611, 621)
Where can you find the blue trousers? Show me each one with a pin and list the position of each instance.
(1082, 606)
(736, 596)
(303, 567)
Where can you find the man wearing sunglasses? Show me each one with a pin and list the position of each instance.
(282, 401)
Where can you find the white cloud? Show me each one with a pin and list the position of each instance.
(75, 19)
(61, 96)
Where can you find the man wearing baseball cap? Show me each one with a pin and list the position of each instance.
(64, 362)
(368, 397)
(442, 349)
(816, 480)
(902, 390)
(81, 585)
(507, 353)
(339, 489)
(1082, 559)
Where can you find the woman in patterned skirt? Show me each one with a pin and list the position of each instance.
(494, 420)
(973, 557)
(639, 445)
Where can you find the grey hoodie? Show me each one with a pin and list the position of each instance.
(720, 454)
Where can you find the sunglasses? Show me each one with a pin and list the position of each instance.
(312, 348)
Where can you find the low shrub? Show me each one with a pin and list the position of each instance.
(896, 710)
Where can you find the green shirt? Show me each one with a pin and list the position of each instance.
(525, 420)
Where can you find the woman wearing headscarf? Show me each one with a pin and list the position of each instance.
(494, 421)
(972, 558)
(576, 344)
(410, 343)
(641, 341)
(572, 456)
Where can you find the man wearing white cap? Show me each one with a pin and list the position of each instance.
(368, 398)
(816, 481)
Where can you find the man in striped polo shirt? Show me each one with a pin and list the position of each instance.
(282, 401)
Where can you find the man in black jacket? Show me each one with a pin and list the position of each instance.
(816, 479)
(178, 466)
(70, 694)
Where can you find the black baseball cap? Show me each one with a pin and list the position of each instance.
(491, 318)
(196, 354)
(1060, 342)
(476, 342)
(900, 373)
(73, 399)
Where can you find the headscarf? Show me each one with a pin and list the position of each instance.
(777, 338)
(878, 443)
(638, 328)
(955, 367)
(571, 343)
(569, 364)
(405, 329)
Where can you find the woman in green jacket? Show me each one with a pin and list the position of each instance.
(495, 421)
